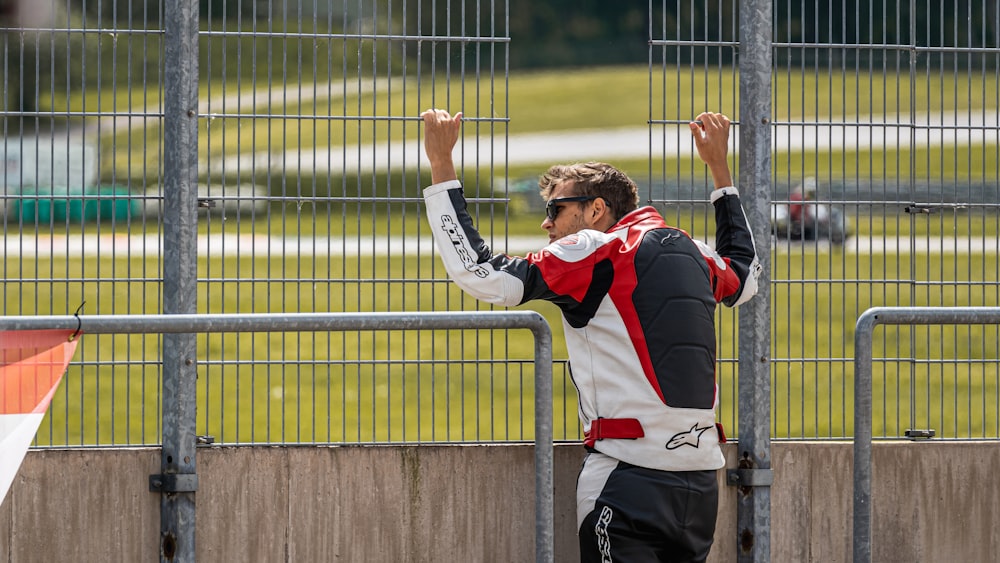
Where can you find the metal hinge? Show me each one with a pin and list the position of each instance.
(173, 483)
(749, 477)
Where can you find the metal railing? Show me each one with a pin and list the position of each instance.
(866, 324)
(178, 520)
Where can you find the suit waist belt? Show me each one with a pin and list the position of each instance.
(602, 428)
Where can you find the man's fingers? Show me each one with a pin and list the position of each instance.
(435, 114)
(428, 114)
(709, 126)
(712, 120)
(439, 118)
(696, 131)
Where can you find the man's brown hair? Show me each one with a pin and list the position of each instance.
(594, 179)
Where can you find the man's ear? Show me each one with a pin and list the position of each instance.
(600, 214)
(598, 207)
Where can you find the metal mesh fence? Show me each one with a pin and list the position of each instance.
(884, 193)
(884, 189)
(309, 185)
(896, 133)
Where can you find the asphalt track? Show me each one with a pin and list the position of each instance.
(543, 149)
(938, 129)
(122, 246)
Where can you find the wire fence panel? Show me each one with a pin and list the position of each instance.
(344, 391)
(885, 192)
(309, 195)
(81, 103)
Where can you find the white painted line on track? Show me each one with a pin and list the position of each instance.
(262, 246)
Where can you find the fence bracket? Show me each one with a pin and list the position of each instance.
(173, 483)
(749, 477)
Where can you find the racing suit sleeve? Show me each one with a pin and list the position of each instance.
(498, 279)
(734, 265)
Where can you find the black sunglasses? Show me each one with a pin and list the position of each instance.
(552, 208)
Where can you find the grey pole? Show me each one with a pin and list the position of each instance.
(544, 454)
(753, 475)
(178, 480)
(862, 543)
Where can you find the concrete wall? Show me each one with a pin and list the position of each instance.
(932, 501)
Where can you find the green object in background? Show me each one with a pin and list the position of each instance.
(103, 203)
(115, 202)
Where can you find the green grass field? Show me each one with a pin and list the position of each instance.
(466, 385)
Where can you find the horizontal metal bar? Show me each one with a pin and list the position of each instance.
(917, 361)
(314, 201)
(276, 322)
(112, 32)
(137, 115)
(258, 116)
(691, 43)
(886, 47)
(330, 362)
(361, 36)
(50, 196)
(887, 125)
(870, 281)
(929, 315)
(679, 122)
(351, 118)
(827, 46)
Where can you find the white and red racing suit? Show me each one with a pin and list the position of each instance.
(638, 307)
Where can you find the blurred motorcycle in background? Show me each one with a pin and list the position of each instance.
(802, 220)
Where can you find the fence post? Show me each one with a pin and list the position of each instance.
(753, 476)
(178, 479)
(862, 538)
(863, 360)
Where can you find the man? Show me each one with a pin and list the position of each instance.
(638, 300)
